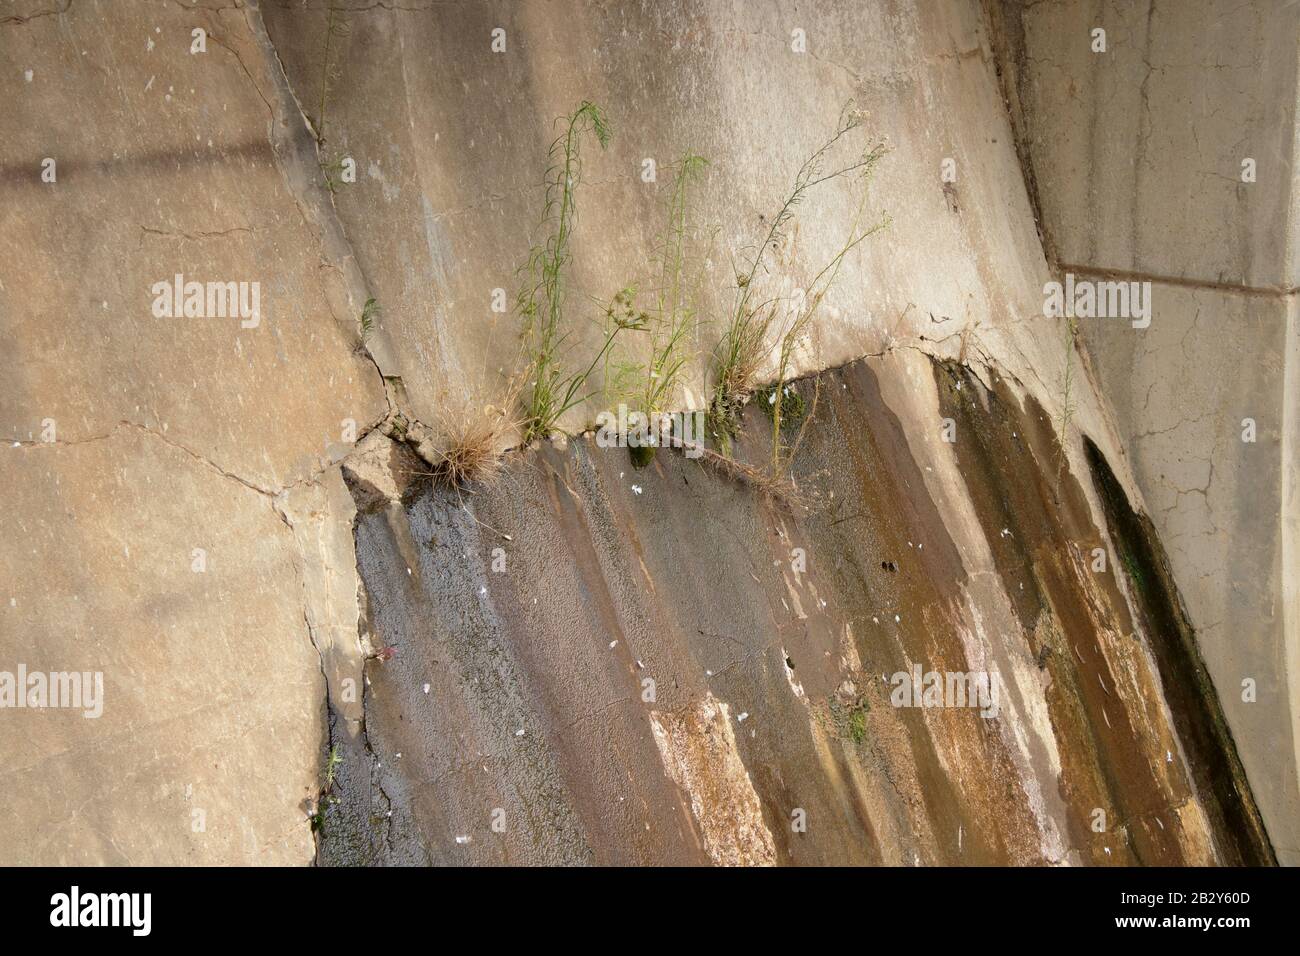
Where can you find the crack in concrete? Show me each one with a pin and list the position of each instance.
(17, 19)
(299, 159)
(1209, 285)
(194, 236)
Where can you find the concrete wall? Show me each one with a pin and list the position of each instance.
(1137, 154)
(171, 435)
(595, 662)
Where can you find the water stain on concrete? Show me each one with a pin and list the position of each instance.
(698, 673)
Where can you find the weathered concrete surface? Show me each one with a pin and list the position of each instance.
(1138, 151)
(207, 747)
(1215, 499)
(179, 434)
(131, 441)
(517, 693)
(1137, 156)
(451, 139)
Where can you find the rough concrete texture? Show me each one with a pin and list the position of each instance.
(1137, 154)
(451, 144)
(1138, 150)
(212, 694)
(134, 440)
(140, 439)
(661, 666)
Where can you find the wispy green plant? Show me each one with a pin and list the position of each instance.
(675, 315)
(745, 343)
(551, 389)
(650, 385)
(368, 314)
(809, 304)
(1067, 410)
(332, 764)
(333, 172)
(331, 768)
(337, 27)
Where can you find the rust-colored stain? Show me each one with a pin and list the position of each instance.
(690, 672)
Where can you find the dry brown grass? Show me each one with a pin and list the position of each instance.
(472, 451)
(470, 446)
(780, 486)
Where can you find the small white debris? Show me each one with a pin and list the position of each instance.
(740, 718)
(519, 732)
(27, 75)
(1169, 757)
(640, 666)
(708, 673)
(1005, 532)
(636, 489)
(482, 590)
(426, 688)
(398, 755)
(463, 839)
(875, 620)
(897, 619)
(1107, 849)
(612, 644)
